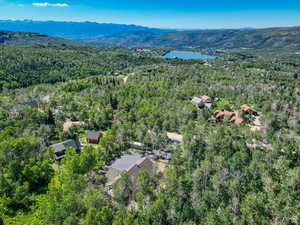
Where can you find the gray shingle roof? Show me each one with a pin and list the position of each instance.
(59, 147)
(126, 161)
(93, 134)
(132, 163)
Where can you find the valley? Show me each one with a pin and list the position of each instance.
(114, 135)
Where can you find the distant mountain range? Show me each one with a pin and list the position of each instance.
(28, 38)
(228, 39)
(139, 36)
(80, 31)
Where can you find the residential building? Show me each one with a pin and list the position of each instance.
(60, 148)
(94, 136)
(202, 101)
(130, 163)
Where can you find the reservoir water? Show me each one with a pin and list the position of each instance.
(187, 55)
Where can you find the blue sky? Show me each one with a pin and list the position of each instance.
(160, 13)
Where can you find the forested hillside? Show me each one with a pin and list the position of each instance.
(223, 173)
(24, 66)
(228, 39)
(28, 39)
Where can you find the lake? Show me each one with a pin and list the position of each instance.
(187, 55)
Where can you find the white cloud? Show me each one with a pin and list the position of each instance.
(15, 5)
(45, 4)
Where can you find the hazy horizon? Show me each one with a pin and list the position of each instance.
(167, 28)
(190, 14)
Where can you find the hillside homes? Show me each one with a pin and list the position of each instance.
(59, 149)
(239, 116)
(132, 164)
(93, 137)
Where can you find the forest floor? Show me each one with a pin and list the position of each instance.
(70, 123)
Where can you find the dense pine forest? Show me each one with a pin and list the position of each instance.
(222, 173)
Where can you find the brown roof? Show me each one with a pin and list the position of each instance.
(144, 163)
(237, 120)
(132, 163)
(234, 117)
(247, 109)
(220, 114)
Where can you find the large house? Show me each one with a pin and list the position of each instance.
(60, 148)
(130, 163)
(223, 115)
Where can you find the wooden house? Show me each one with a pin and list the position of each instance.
(94, 136)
